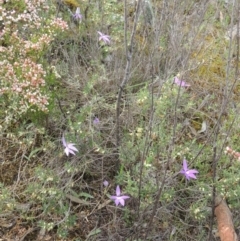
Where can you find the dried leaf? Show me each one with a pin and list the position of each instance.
(94, 232)
(204, 127)
(224, 220)
(104, 204)
(77, 200)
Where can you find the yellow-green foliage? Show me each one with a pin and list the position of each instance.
(211, 62)
(210, 53)
(72, 3)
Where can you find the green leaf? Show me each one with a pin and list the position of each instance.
(86, 195)
(94, 232)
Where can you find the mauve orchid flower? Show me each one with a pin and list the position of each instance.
(188, 173)
(77, 15)
(69, 147)
(105, 183)
(181, 83)
(105, 38)
(118, 199)
(96, 121)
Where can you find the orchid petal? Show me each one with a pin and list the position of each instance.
(122, 202)
(181, 83)
(64, 141)
(185, 165)
(118, 191)
(105, 183)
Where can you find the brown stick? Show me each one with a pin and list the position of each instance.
(224, 220)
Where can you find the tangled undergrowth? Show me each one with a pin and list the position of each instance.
(100, 105)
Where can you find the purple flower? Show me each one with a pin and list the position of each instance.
(181, 83)
(188, 173)
(77, 15)
(105, 183)
(69, 147)
(105, 38)
(96, 121)
(119, 199)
